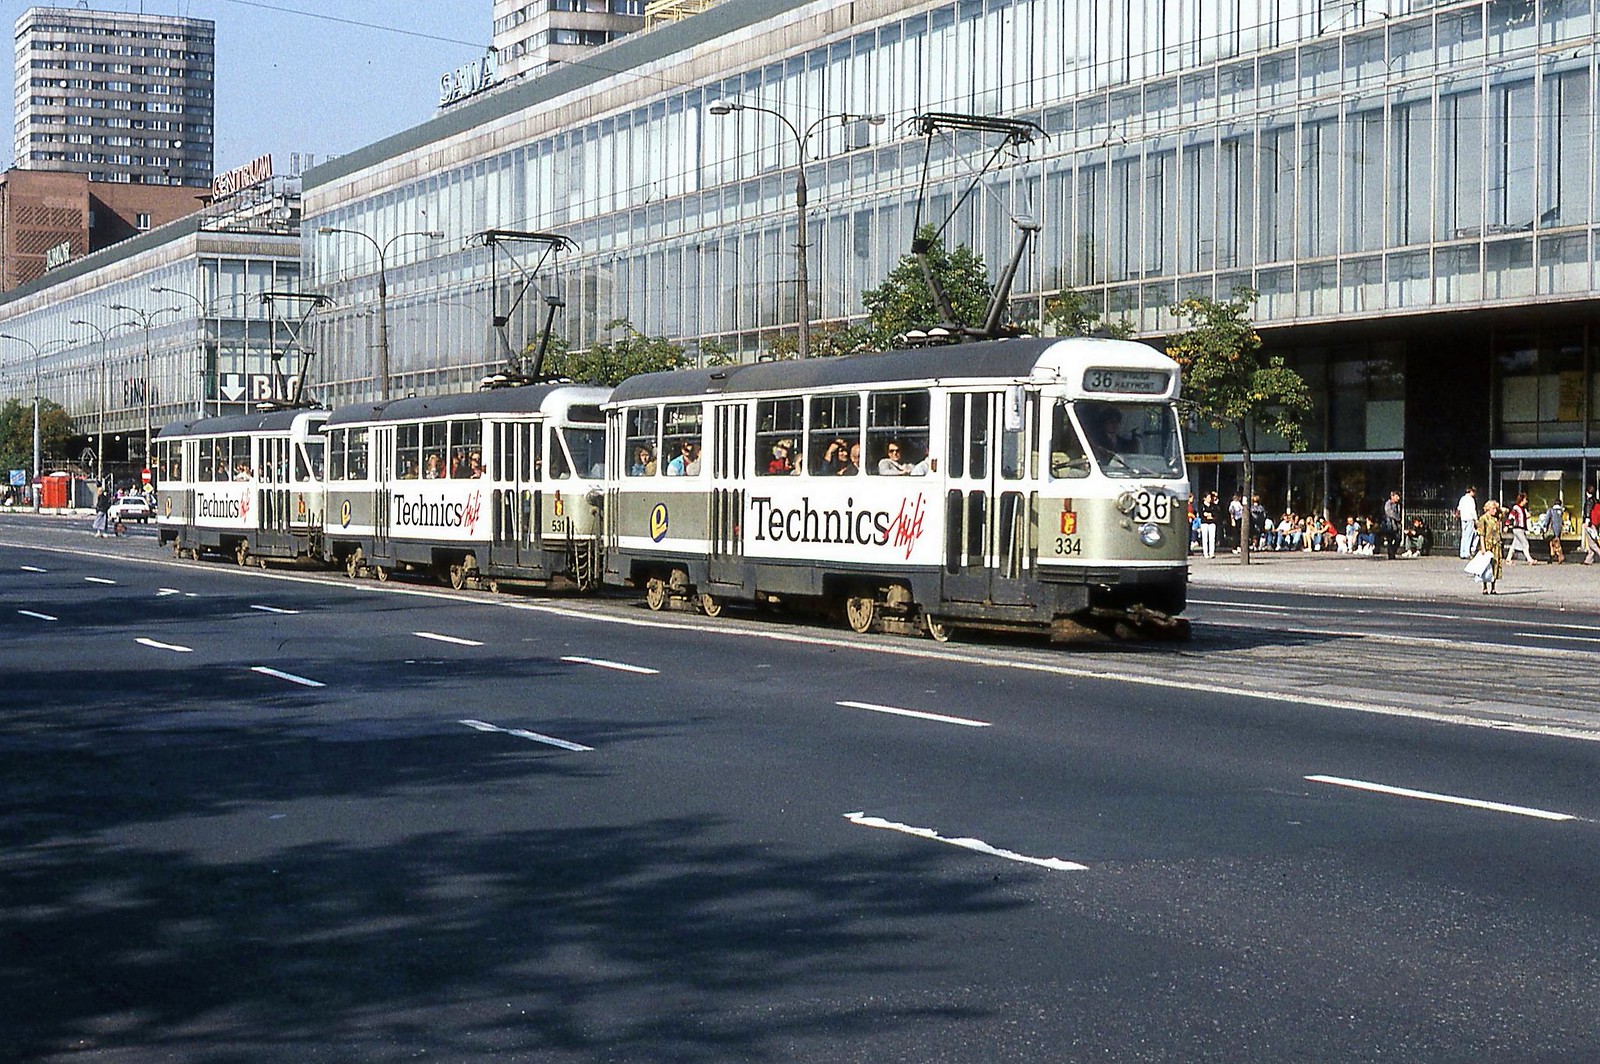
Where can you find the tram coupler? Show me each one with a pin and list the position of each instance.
(1136, 622)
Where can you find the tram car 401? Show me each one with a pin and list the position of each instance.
(1015, 485)
(503, 484)
(247, 486)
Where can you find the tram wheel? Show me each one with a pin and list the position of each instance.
(860, 610)
(710, 605)
(352, 563)
(458, 576)
(937, 630)
(381, 573)
(494, 587)
(241, 554)
(655, 593)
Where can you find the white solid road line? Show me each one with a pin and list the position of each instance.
(435, 636)
(1429, 796)
(98, 580)
(272, 609)
(1561, 638)
(165, 646)
(548, 740)
(291, 677)
(601, 663)
(940, 717)
(38, 616)
(1055, 864)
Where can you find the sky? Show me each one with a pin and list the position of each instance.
(317, 76)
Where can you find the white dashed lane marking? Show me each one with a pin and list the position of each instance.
(616, 666)
(158, 645)
(1448, 799)
(291, 677)
(457, 640)
(919, 714)
(548, 740)
(1055, 864)
(37, 616)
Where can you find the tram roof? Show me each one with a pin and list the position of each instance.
(527, 399)
(235, 424)
(986, 360)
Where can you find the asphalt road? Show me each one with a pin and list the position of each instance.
(288, 817)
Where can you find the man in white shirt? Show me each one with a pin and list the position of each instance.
(1467, 510)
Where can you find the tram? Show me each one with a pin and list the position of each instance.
(503, 484)
(247, 486)
(1019, 484)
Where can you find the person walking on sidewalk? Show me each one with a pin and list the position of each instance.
(102, 510)
(1208, 525)
(1555, 520)
(1488, 529)
(1517, 522)
(1467, 511)
(1591, 528)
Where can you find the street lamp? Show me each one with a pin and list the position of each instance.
(38, 471)
(802, 278)
(383, 290)
(144, 320)
(100, 417)
(200, 350)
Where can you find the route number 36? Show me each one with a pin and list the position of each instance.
(1152, 507)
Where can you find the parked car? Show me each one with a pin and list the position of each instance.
(132, 508)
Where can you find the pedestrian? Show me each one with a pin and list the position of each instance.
(1591, 528)
(1517, 522)
(1258, 523)
(1235, 522)
(1467, 511)
(1393, 521)
(102, 510)
(1488, 530)
(1555, 520)
(1208, 525)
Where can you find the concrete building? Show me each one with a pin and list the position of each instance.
(123, 98)
(49, 218)
(1411, 187)
(531, 35)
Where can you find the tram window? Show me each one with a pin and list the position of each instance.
(435, 450)
(780, 425)
(642, 441)
(466, 454)
(681, 428)
(898, 421)
(408, 452)
(207, 457)
(242, 464)
(978, 439)
(835, 437)
(1132, 439)
(1013, 438)
(587, 447)
(531, 438)
(356, 457)
(1068, 461)
(308, 460)
(956, 443)
(336, 454)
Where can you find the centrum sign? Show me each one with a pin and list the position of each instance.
(468, 79)
(235, 181)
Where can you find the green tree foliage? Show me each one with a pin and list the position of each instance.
(1071, 314)
(828, 340)
(904, 301)
(1229, 383)
(16, 432)
(613, 361)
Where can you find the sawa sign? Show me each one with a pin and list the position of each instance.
(468, 79)
(255, 172)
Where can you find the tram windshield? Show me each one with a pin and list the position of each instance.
(587, 450)
(1128, 440)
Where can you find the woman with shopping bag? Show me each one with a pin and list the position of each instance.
(1485, 565)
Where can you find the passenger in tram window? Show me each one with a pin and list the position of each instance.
(893, 462)
(432, 467)
(852, 462)
(408, 468)
(644, 463)
(687, 462)
(474, 465)
(241, 472)
(781, 464)
(834, 459)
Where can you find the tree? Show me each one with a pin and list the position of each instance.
(828, 340)
(904, 301)
(1230, 384)
(1071, 315)
(611, 362)
(16, 432)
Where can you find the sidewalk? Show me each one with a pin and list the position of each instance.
(1438, 578)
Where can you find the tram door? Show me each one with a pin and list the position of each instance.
(381, 457)
(988, 501)
(516, 524)
(729, 456)
(272, 473)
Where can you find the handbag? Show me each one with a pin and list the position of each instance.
(1480, 565)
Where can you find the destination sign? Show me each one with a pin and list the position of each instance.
(1127, 381)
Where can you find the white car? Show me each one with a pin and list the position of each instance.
(132, 508)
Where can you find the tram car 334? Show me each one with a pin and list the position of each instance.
(1014, 485)
(247, 486)
(478, 488)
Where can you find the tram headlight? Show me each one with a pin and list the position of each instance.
(1127, 502)
(1150, 535)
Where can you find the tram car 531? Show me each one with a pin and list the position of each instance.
(503, 484)
(1015, 485)
(247, 486)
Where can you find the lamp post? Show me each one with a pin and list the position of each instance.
(383, 289)
(100, 417)
(802, 279)
(38, 471)
(200, 350)
(144, 317)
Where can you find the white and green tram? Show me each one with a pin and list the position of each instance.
(475, 489)
(1029, 484)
